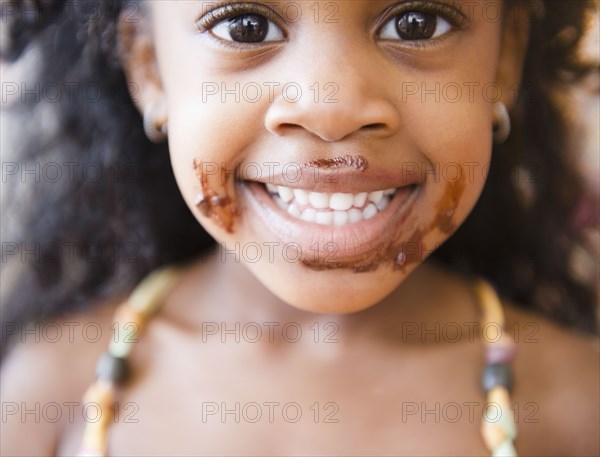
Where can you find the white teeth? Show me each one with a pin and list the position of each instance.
(294, 211)
(309, 215)
(370, 211)
(324, 218)
(355, 215)
(341, 202)
(339, 208)
(301, 196)
(318, 200)
(340, 218)
(360, 199)
(283, 205)
(286, 194)
(382, 203)
(376, 196)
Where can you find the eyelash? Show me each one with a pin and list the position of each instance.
(449, 13)
(227, 11)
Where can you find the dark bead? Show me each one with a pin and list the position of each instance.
(111, 368)
(496, 374)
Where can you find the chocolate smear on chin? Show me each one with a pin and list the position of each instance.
(358, 264)
(363, 263)
(400, 254)
(215, 202)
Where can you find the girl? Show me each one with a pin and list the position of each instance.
(329, 149)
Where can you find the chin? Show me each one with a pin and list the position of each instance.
(328, 292)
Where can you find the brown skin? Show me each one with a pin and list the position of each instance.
(375, 366)
(171, 63)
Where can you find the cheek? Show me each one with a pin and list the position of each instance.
(206, 152)
(457, 150)
(454, 137)
(210, 129)
(458, 163)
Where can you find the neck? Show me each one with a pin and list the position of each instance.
(227, 293)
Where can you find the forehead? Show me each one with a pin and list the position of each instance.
(314, 9)
(362, 15)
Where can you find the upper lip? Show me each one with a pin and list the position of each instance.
(341, 180)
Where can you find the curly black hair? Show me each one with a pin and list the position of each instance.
(119, 214)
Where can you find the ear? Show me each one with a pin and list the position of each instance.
(515, 39)
(138, 58)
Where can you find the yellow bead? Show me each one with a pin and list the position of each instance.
(150, 293)
(500, 396)
(94, 435)
(490, 304)
(493, 434)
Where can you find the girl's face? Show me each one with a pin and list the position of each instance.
(330, 146)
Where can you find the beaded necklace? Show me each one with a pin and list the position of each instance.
(498, 426)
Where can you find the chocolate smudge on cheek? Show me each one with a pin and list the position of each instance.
(413, 250)
(213, 200)
(358, 162)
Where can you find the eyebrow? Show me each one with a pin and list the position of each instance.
(278, 5)
(227, 2)
(206, 4)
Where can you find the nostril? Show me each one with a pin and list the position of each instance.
(289, 127)
(375, 126)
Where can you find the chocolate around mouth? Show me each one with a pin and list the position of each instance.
(414, 250)
(358, 162)
(218, 206)
(401, 254)
(216, 203)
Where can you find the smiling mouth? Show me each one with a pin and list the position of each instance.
(334, 230)
(337, 209)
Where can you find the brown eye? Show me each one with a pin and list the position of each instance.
(248, 28)
(414, 26)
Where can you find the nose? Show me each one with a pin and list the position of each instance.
(351, 101)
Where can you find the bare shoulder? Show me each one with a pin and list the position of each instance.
(557, 386)
(44, 377)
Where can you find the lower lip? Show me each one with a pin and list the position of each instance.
(340, 243)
